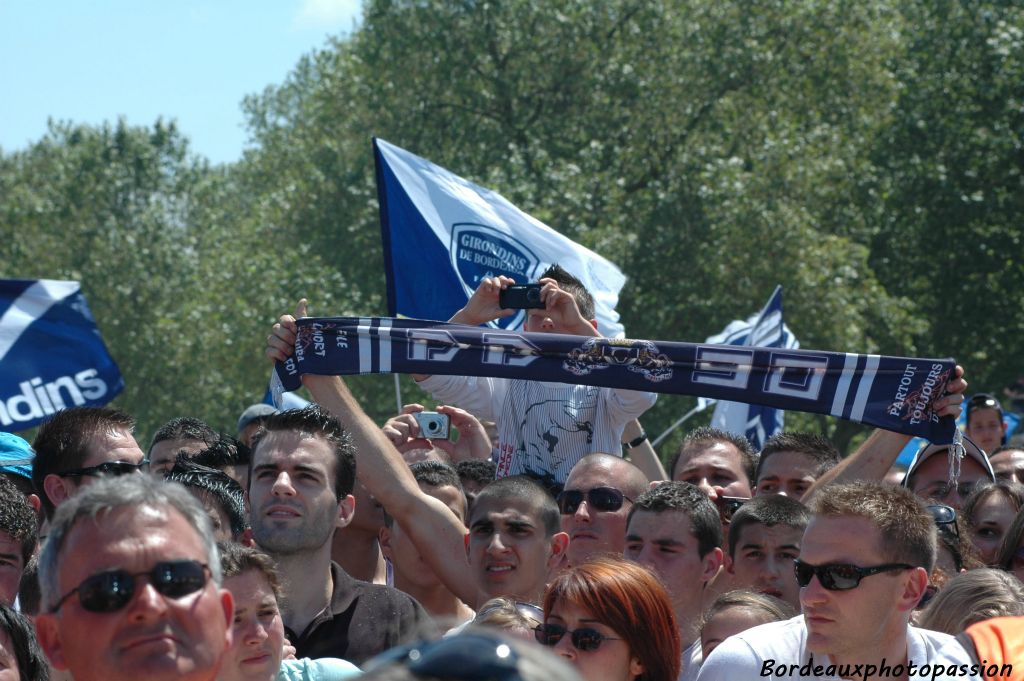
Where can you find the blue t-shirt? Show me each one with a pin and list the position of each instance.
(321, 669)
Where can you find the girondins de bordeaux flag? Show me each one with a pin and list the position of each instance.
(895, 393)
(51, 353)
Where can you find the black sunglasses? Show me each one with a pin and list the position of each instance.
(944, 516)
(607, 499)
(111, 468)
(840, 577)
(466, 656)
(111, 591)
(584, 639)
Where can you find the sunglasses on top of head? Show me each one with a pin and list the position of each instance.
(112, 590)
(583, 639)
(109, 468)
(840, 577)
(607, 499)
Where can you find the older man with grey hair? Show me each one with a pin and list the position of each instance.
(130, 579)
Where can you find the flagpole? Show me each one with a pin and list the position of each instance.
(398, 395)
(678, 423)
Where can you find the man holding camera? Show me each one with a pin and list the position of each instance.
(543, 428)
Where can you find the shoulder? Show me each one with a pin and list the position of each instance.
(927, 646)
(781, 642)
(321, 669)
(382, 601)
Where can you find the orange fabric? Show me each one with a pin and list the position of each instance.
(1000, 641)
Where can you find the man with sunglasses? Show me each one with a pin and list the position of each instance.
(863, 567)
(78, 446)
(598, 495)
(130, 580)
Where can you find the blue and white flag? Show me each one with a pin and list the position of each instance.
(51, 352)
(443, 234)
(765, 330)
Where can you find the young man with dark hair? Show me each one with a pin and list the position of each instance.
(78, 445)
(720, 463)
(764, 540)
(791, 462)
(221, 496)
(474, 476)
(413, 574)
(181, 434)
(300, 489)
(17, 538)
(1008, 463)
(674, 529)
(543, 428)
(863, 567)
(227, 455)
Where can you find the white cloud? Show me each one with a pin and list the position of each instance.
(329, 15)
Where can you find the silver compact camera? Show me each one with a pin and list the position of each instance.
(433, 426)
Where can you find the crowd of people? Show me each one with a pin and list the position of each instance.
(317, 544)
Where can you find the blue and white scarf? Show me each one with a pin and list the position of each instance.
(894, 393)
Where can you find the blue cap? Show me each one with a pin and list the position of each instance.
(16, 455)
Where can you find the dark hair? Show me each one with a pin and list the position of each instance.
(226, 451)
(816, 447)
(311, 421)
(236, 559)
(628, 598)
(768, 511)
(704, 437)
(1013, 491)
(434, 474)
(959, 544)
(569, 283)
(30, 595)
(477, 470)
(906, 526)
(522, 487)
(32, 665)
(62, 442)
(183, 428)
(219, 485)
(982, 401)
(18, 518)
(689, 500)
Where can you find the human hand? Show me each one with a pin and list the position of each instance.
(561, 308)
(404, 432)
(474, 442)
(483, 305)
(951, 403)
(281, 341)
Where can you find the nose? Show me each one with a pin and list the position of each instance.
(704, 486)
(814, 593)
(147, 603)
(583, 511)
(254, 634)
(496, 545)
(565, 648)
(283, 485)
(546, 324)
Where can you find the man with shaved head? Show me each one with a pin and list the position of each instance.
(598, 495)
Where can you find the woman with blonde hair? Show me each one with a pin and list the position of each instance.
(971, 597)
(613, 620)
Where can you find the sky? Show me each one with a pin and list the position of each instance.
(189, 60)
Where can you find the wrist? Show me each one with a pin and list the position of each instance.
(637, 441)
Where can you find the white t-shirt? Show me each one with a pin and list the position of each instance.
(778, 650)
(544, 428)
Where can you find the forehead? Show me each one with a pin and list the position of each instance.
(505, 510)
(722, 455)
(595, 474)
(288, 449)
(450, 497)
(135, 537)
(249, 587)
(841, 539)
(764, 535)
(936, 469)
(1010, 458)
(788, 464)
(651, 526)
(112, 445)
(986, 414)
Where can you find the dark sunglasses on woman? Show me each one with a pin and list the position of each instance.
(584, 639)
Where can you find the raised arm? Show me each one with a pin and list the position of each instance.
(875, 457)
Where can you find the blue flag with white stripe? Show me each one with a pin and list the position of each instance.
(442, 234)
(766, 329)
(51, 352)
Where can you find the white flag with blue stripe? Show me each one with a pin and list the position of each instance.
(51, 353)
(442, 234)
(765, 330)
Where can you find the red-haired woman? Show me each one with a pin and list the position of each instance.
(613, 620)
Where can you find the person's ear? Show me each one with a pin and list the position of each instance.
(913, 589)
(636, 668)
(56, 488)
(48, 633)
(227, 604)
(593, 323)
(384, 539)
(346, 512)
(35, 502)
(559, 545)
(465, 541)
(247, 538)
(712, 562)
(730, 565)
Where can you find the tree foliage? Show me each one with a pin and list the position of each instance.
(867, 156)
